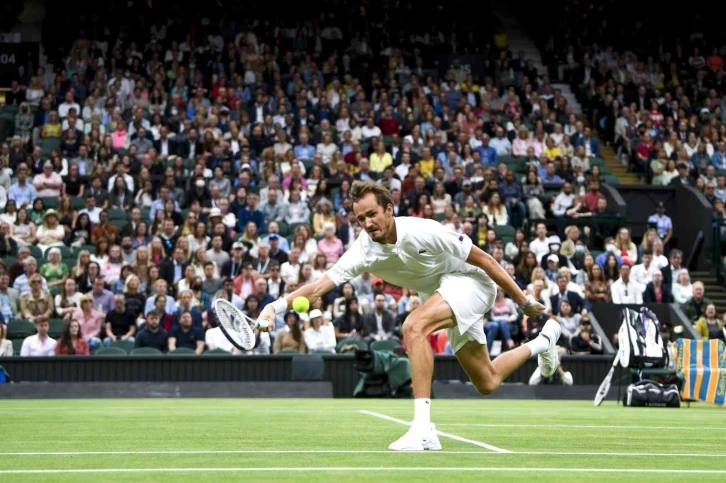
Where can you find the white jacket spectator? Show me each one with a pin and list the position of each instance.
(625, 290)
(319, 337)
(563, 200)
(643, 272)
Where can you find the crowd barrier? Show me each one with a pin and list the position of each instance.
(339, 370)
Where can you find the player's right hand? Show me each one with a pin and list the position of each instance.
(267, 315)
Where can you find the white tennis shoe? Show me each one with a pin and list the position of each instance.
(548, 360)
(418, 439)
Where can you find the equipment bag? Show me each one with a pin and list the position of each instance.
(641, 345)
(651, 394)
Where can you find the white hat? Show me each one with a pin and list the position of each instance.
(215, 212)
(315, 313)
(553, 258)
(229, 220)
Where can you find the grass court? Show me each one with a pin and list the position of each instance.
(326, 440)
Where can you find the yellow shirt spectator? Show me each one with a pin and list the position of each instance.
(552, 153)
(379, 162)
(426, 167)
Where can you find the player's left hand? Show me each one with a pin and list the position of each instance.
(532, 308)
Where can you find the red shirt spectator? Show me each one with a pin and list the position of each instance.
(389, 126)
(592, 196)
(81, 347)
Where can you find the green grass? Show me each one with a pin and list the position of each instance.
(171, 436)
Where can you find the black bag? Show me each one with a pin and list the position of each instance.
(651, 394)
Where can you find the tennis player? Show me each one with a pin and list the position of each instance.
(458, 282)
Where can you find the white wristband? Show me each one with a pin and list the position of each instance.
(280, 306)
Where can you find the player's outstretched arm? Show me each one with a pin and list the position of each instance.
(311, 291)
(480, 258)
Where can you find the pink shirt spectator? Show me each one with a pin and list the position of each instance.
(332, 249)
(287, 181)
(41, 179)
(118, 138)
(520, 146)
(111, 272)
(91, 326)
(538, 146)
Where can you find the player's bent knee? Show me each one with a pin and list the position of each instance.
(486, 385)
(412, 327)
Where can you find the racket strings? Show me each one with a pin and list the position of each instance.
(235, 326)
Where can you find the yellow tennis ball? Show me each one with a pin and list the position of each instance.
(300, 304)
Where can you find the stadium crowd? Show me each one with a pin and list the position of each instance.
(164, 167)
(660, 102)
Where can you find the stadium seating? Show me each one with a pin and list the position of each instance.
(425, 92)
(125, 345)
(111, 351)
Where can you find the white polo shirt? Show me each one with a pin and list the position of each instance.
(424, 251)
(34, 347)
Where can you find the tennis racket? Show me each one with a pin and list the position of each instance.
(236, 326)
(604, 388)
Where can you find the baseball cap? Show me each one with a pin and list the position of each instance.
(377, 281)
(466, 182)
(682, 165)
(315, 313)
(215, 212)
(245, 166)
(274, 236)
(553, 258)
(237, 245)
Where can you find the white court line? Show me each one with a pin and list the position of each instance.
(440, 433)
(335, 451)
(366, 469)
(587, 426)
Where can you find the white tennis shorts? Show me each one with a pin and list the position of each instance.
(470, 299)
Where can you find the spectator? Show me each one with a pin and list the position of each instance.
(656, 291)
(9, 299)
(120, 322)
(378, 324)
(330, 245)
(6, 346)
(185, 335)
(643, 273)
(290, 337)
(682, 288)
(563, 293)
(708, 326)
(72, 342)
(152, 334)
(39, 344)
(91, 320)
(625, 290)
(671, 271)
(502, 314)
(319, 336)
(37, 301)
(664, 224)
(586, 341)
(694, 308)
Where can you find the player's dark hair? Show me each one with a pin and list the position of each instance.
(361, 188)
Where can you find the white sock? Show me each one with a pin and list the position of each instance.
(422, 412)
(538, 345)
